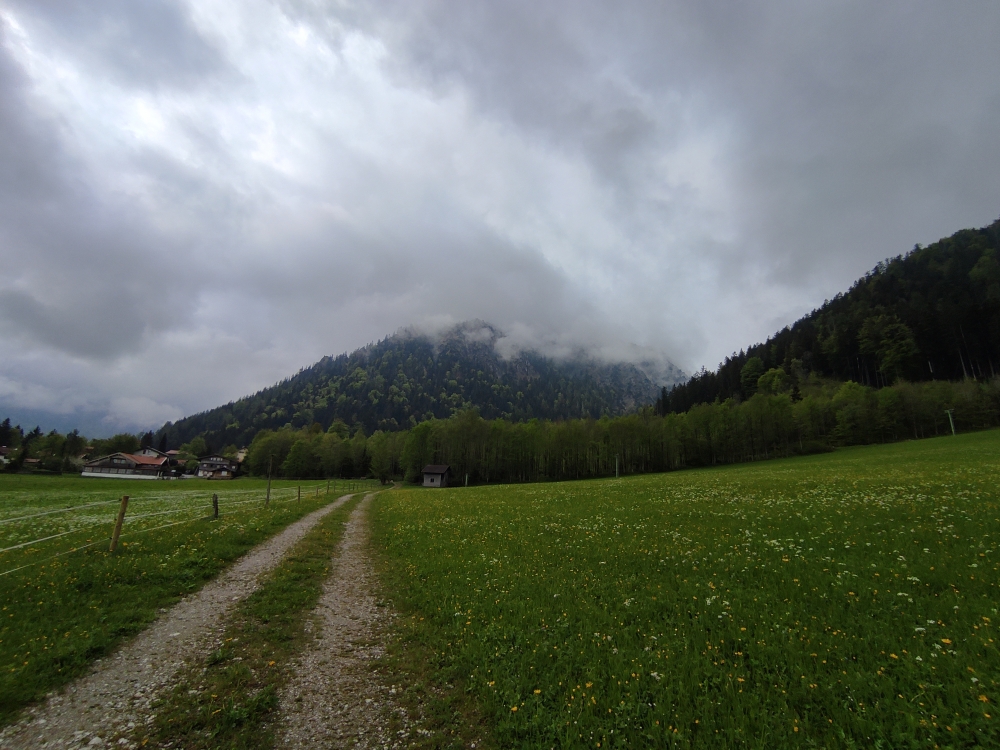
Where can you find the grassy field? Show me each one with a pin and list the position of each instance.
(65, 600)
(842, 600)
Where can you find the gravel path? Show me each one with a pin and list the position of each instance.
(335, 698)
(101, 707)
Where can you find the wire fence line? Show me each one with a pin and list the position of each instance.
(105, 540)
(53, 536)
(58, 510)
(53, 557)
(277, 497)
(183, 494)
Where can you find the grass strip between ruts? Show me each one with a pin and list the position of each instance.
(227, 701)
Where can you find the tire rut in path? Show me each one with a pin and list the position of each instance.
(116, 695)
(334, 699)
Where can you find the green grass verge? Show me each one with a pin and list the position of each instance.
(444, 711)
(228, 701)
(842, 600)
(59, 613)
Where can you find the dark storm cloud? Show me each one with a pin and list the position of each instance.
(856, 128)
(196, 199)
(82, 273)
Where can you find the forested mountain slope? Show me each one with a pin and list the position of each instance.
(408, 378)
(931, 314)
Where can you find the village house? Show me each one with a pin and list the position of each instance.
(436, 475)
(127, 466)
(217, 467)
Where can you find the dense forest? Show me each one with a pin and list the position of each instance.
(407, 378)
(933, 314)
(770, 424)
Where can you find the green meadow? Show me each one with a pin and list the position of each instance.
(841, 600)
(65, 600)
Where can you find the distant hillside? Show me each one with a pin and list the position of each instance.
(931, 314)
(407, 378)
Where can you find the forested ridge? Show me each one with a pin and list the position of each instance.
(408, 378)
(910, 351)
(932, 314)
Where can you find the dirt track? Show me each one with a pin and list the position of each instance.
(101, 708)
(334, 698)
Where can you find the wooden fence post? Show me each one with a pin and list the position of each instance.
(299, 496)
(327, 486)
(267, 499)
(215, 507)
(118, 523)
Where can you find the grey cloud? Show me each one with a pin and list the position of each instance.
(140, 44)
(80, 273)
(640, 177)
(833, 107)
(69, 330)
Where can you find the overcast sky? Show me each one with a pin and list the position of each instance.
(199, 198)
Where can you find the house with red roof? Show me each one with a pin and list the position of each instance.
(127, 466)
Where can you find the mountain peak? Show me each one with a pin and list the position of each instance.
(412, 376)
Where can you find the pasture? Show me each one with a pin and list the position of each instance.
(65, 600)
(841, 600)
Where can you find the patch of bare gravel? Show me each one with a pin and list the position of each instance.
(102, 708)
(335, 698)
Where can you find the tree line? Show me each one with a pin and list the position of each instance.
(933, 314)
(54, 452)
(786, 414)
(774, 422)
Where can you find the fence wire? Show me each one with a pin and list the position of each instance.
(274, 501)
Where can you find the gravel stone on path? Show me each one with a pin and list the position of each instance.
(334, 697)
(103, 707)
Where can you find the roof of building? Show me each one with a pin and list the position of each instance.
(141, 460)
(436, 469)
(147, 460)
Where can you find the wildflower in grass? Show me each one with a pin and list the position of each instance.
(691, 523)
